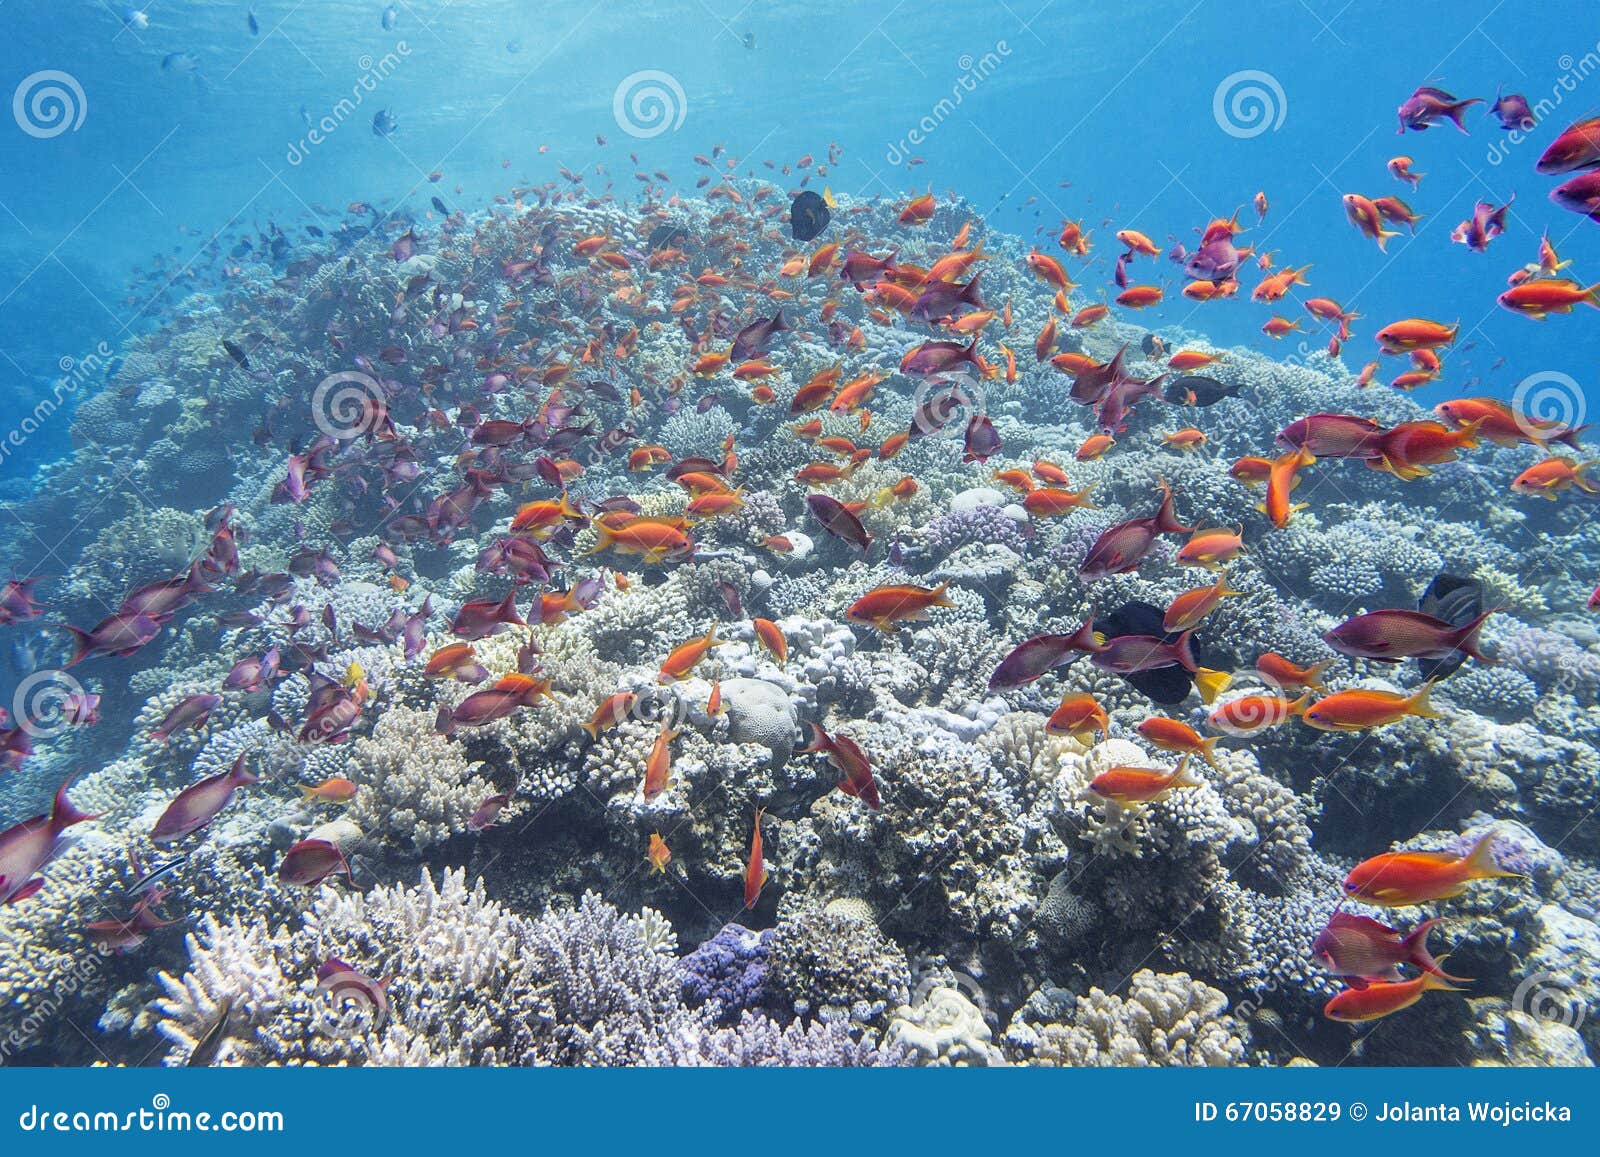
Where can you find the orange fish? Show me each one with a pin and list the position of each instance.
(1361, 708)
(1367, 219)
(536, 517)
(1187, 360)
(653, 541)
(917, 212)
(770, 637)
(614, 710)
(686, 656)
(658, 767)
(1186, 610)
(1278, 671)
(1415, 333)
(707, 506)
(887, 606)
(1541, 296)
(714, 700)
(1049, 472)
(659, 855)
(1048, 269)
(755, 869)
(1188, 438)
(1251, 713)
(1179, 738)
(1089, 315)
(1129, 787)
(1544, 479)
(1379, 998)
(1073, 239)
(335, 789)
(893, 444)
(1137, 242)
(457, 660)
(1052, 501)
(1281, 481)
(1400, 879)
(1094, 446)
(1250, 470)
(1211, 548)
(1140, 296)
(1079, 716)
(1045, 343)
(1018, 480)
(1279, 327)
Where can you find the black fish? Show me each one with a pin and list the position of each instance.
(237, 354)
(1165, 685)
(667, 236)
(1152, 345)
(1456, 601)
(808, 216)
(439, 208)
(1194, 390)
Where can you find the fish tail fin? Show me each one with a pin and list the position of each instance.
(569, 509)
(1418, 704)
(1185, 651)
(1208, 751)
(1083, 639)
(819, 741)
(1481, 862)
(1314, 673)
(1210, 684)
(603, 539)
(592, 728)
(1469, 640)
(1383, 238)
(1570, 437)
(65, 813)
(1437, 982)
(1581, 478)
(1183, 777)
(1454, 111)
(1298, 707)
(1166, 517)
(1416, 946)
(83, 643)
(939, 599)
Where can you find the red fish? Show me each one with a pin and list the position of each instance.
(755, 870)
(850, 761)
(30, 845)
(1361, 949)
(1379, 1000)
(197, 805)
(1123, 547)
(312, 861)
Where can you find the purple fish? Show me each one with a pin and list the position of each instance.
(351, 987)
(1123, 547)
(197, 805)
(1131, 654)
(1580, 195)
(30, 845)
(1360, 949)
(192, 712)
(16, 601)
(161, 600)
(943, 299)
(752, 340)
(1216, 261)
(480, 618)
(312, 861)
(832, 516)
(488, 812)
(508, 694)
(1427, 105)
(981, 442)
(1042, 653)
(1091, 386)
(16, 747)
(251, 672)
(120, 635)
(1390, 636)
(939, 357)
(1513, 110)
(1485, 224)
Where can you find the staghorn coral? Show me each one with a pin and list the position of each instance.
(416, 787)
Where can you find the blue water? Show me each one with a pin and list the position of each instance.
(1114, 100)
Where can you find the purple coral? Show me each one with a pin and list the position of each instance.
(727, 975)
(988, 525)
(1552, 659)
